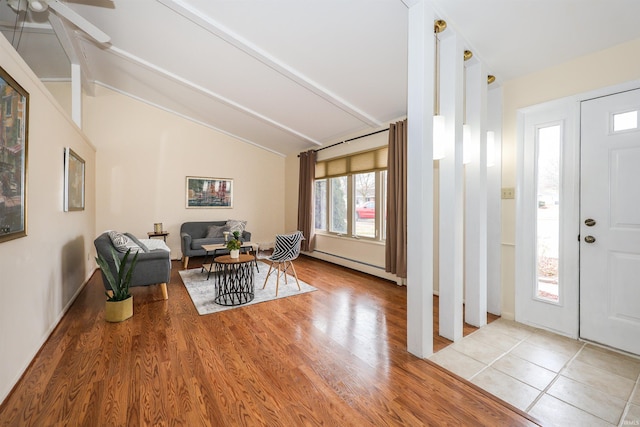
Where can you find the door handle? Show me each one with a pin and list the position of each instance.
(589, 222)
(589, 239)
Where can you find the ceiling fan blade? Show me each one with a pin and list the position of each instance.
(69, 14)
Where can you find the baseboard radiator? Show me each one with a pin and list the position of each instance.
(357, 265)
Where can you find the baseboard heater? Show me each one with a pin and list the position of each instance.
(347, 259)
(363, 267)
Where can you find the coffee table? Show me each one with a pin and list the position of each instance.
(212, 250)
(234, 283)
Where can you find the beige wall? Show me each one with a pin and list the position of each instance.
(61, 91)
(606, 68)
(144, 156)
(136, 178)
(41, 273)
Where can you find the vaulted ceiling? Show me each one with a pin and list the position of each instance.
(288, 75)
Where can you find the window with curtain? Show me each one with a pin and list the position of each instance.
(350, 195)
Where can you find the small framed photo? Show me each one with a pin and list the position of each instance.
(14, 117)
(209, 192)
(73, 181)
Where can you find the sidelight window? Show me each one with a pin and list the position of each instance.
(548, 212)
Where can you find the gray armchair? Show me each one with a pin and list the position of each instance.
(153, 267)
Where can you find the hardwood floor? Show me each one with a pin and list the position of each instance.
(336, 356)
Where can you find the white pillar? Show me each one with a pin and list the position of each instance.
(476, 199)
(76, 94)
(494, 199)
(451, 188)
(420, 180)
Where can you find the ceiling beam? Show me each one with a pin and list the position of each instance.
(217, 29)
(193, 86)
(68, 41)
(410, 3)
(72, 48)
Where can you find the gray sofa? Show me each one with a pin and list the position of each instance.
(153, 266)
(194, 234)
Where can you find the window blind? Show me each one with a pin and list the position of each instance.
(365, 161)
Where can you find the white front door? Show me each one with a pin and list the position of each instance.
(610, 221)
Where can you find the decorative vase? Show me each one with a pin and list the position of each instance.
(117, 311)
(234, 253)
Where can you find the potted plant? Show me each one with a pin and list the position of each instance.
(234, 245)
(119, 305)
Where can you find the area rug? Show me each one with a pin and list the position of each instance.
(202, 290)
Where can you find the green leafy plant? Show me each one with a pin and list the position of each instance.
(119, 284)
(235, 243)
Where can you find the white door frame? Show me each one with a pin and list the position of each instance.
(563, 318)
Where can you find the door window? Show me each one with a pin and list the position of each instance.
(548, 212)
(625, 121)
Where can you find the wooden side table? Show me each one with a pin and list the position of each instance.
(162, 234)
(234, 283)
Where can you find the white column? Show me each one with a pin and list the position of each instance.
(76, 94)
(420, 180)
(476, 199)
(451, 188)
(494, 199)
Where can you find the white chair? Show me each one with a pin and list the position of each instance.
(287, 249)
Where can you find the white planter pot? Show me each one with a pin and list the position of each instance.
(234, 253)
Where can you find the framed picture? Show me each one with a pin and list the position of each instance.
(73, 181)
(209, 192)
(14, 115)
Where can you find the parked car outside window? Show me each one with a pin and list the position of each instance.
(366, 210)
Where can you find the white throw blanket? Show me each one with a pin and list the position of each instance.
(153, 244)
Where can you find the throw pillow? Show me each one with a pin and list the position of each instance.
(122, 243)
(119, 241)
(236, 225)
(134, 239)
(216, 231)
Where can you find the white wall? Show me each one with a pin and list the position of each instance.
(144, 156)
(40, 274)
(608, 67)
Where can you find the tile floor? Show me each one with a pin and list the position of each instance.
(560, 381)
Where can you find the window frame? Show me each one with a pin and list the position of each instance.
(367, 161)
(380, 193)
